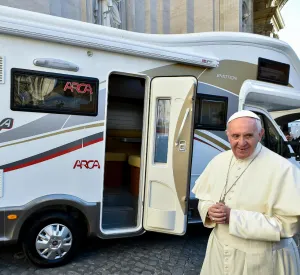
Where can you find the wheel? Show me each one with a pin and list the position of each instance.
(52, 240)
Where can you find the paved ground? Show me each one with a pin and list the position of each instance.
(147, 254)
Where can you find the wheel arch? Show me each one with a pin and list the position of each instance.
(87, 213)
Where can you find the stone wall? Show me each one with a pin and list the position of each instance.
(165, 16)
(72, 9)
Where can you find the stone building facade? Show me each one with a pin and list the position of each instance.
(167, 16)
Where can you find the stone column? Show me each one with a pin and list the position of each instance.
(203, 15)
(178, 16)
(230, 15)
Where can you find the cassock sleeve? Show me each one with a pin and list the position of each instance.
(202, 192)
(282, 217)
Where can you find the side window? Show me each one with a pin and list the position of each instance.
(36, 91)
(163, 110)
(211, 112)
(272, 138)
(263, 140)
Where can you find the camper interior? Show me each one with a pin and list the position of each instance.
(125, 110)
(288, 120)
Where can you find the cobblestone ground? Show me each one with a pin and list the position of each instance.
(148, 254)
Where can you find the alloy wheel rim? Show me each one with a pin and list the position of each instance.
(54, 241)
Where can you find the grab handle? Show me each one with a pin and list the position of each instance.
(182, 125)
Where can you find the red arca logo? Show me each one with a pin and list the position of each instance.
(87, 164)
(6, 124)
(81, 88)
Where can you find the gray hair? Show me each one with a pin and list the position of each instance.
(257, 122)
(258, 125)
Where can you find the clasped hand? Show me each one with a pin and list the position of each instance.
(219, 213)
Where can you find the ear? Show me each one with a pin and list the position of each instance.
(226, 131)
(262, 132)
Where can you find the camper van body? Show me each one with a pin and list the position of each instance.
(79, 99)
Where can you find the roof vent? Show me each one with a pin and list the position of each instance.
(1, 69)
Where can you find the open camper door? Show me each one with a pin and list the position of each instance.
(170, 136)
(270, 97)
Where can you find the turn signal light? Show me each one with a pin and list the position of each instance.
(12, 217)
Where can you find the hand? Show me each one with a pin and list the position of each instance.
(219, 213)
(227, 210)
(216, 213)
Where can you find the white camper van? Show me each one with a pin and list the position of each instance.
(103, 132)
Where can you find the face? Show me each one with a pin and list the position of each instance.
(243, 136)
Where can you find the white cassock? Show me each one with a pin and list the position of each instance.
(265, 210)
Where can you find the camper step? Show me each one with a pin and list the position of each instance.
(121, 198)
(118, 216)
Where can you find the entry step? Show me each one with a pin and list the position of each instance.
(118, 197)
(118, 217)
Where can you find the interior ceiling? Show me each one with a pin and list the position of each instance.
(286, 119)
(126, 86)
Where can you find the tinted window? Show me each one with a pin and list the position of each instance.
(272, 71)
(53, 93)
(272, 138)
(211, 112)
(163, 109)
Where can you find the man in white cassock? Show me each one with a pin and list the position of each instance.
(250, 196)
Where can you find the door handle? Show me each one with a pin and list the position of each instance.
(182, 125)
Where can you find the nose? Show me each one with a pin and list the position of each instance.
(242, 141)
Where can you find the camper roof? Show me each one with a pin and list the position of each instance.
(165, 47)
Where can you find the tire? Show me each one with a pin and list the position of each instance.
(57, 250)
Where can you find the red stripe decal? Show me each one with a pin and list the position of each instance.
(58, 154)
(92, 142)
(207, 144)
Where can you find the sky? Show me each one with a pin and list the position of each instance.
(291, 16)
